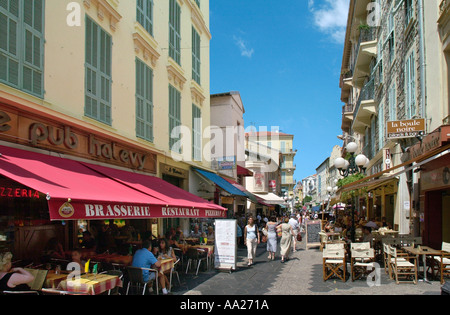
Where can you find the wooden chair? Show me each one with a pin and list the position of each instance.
(362, 257)
(334, 262)
(442, 263)
(401, 266)
(323, 239)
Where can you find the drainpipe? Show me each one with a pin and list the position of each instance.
(423, 64)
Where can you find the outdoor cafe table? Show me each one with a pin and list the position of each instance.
(166, 265)
(53, 280)
(92, 284)
(424, 251)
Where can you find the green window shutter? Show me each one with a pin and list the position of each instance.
(22, 45)
(98, 79)
(410, 82)
(145, 14)
(174, 117)
(144, 101)
(196, 64)
(196, 133)
(175, 31)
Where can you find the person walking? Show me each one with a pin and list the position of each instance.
(251, 239)
(272, 237)
(286, 239)
(295, 230)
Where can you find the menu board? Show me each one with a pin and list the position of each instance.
(225, 249)
(312, 233)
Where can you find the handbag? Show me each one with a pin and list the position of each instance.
(299, 237)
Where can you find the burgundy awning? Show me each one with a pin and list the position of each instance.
(78, 190)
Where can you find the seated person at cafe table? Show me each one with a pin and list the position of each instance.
(210, 236)
(165, 251)
(76, 258)
(88, 241)
(196, 233)
(13, 279)
(143, 258)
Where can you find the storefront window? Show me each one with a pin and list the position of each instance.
(20, 206)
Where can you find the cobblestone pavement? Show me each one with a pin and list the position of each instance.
(301, 275)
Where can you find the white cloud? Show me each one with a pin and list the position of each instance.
(331, 17)
(242, 45)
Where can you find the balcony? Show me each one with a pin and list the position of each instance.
(346, 85)
(365, 108)
(288, 166)
(366, 50)
(347, 117)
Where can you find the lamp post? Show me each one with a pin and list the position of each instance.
(354, 165)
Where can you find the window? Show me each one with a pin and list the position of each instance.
(372, 136)
(198, 3)
(409, 6)
(22, 45)
(196, 133)
(381, 125)
(391, 37)
(98, 73)
(196, 64)
(174, 118)
(145, 14)
(410, 86)
(392, 103)
(174, 31)
(144, 101)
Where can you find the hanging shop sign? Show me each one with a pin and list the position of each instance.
(405, 128)
(43, 133)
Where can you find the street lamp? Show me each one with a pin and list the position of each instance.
(353, 166)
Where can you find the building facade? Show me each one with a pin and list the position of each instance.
(108, 81)
(393, 84)
(284, 143)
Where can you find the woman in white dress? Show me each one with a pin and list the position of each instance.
(251, 239)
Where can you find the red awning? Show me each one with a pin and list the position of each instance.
(244, 171)
(76, 191)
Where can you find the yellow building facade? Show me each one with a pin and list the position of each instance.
(65, 75)
(112, 74)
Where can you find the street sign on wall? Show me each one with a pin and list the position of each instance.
(405, 128)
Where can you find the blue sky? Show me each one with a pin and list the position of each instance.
(284, 57)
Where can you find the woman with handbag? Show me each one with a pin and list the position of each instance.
(286, 239)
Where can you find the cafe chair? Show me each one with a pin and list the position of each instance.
(362, 260)
(323, 239)
(441, 263)
(174, 271)
(179, 254)
(196, 255)
(116, 273)
(334, 262)
(401, 265)
(136, 279)
(46, 291)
